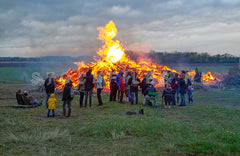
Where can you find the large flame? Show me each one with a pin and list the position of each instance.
(113, 58)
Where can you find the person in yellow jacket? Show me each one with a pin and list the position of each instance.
(51, 105)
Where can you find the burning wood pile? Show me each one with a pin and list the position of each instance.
(113, 57)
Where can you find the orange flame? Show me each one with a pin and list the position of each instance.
(113, 58)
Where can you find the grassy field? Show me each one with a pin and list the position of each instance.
(210, 126)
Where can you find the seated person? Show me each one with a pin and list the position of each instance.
(28, 99)
(19, 97)
(150, 88)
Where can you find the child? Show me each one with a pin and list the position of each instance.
(51, 105)
(168, 93)
(190, 95)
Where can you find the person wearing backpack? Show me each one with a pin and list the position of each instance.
(134, 82)
(67, 97)
(89, 87)
(99, 84)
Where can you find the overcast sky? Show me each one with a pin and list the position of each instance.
(69, 27)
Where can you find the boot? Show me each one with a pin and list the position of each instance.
(64, 112)
(69, 112)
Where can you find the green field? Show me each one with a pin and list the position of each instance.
(210, 126)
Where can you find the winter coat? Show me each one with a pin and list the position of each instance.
(143, 85)
(49, 87)
(182, 86)
(81, 85)
(122, 83)
(52, 102)
(168, 94)
(150, 88)
(133, 87)
(89, 81)
(99, 82)
(67, 92)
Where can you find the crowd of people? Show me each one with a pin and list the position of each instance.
(122, 83)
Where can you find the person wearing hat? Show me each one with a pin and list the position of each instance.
(49, 85)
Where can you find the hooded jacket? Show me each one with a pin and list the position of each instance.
(168, 94)
(99, 82)
(52, 102)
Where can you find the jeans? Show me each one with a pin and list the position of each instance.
(129, 94)
(47, 97)
(99, 96)
(183, 100)
(174, 99)
(88, 93)
(37, 103)
(190, 96)
(178, 90)
(81, 99)
(53, 113)
(68, 102)
(132, 97)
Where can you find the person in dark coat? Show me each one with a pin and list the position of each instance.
(168, 94)
(113, 86)
(49, 85)
(66, 98)
(134, 83)
(183, 89)
(89, 87)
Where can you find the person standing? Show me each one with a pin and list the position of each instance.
(183, 89)
(134, 82)
(49, 87)
(99, 84)
(81, 88)
(168, 93)
(67, 98)
(129, 75)
(113, 86)
(122, 87)
(51, 105)
(174, 87)
(89, 87)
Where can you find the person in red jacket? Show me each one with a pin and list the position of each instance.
(122, 87)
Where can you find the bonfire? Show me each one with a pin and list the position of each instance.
(113, 57)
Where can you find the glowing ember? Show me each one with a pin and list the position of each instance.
(114, 58)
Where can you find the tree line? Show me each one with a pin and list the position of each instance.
(186, 57)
